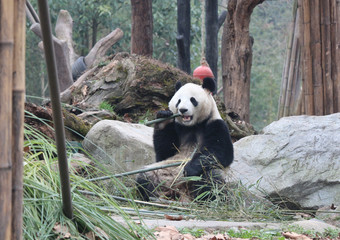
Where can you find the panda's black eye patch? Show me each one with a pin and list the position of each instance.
(194, 101)
(179, 101)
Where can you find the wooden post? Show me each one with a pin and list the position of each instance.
(6, 53)
(18, 117)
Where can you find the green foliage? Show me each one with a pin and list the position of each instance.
(255, 234)
(328, 233)
(106, 106)
(42, 201)
(196, 232)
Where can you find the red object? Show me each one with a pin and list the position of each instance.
(203, 71)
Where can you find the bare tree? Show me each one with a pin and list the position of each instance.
(142, 27)
(237, 56)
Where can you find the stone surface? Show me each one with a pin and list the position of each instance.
(314, 225)
(120, 146)
(295, 159)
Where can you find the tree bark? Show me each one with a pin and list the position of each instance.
(142, 27)
(237, 56)
(213, 22)
(183, 35)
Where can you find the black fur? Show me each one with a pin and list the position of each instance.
(209, 83)
(178, 85)
(216, 149)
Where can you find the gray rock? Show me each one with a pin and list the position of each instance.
(296, 159)
(120, 146)
(314, 225)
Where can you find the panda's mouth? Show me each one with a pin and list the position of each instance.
(186, 118)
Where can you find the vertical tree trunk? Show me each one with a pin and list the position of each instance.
(237, 56)
(183, 35)
(94, 31)
(6, 63)
(211, 30)
(142, 27)
(18, 117)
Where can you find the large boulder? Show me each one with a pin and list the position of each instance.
(120, 146)
(295, 160)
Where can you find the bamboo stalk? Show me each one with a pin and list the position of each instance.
(295, 81)
(158, 120)
(317, 46)
(18, 117)
(307, 66)
(333, 23)
(137, 201)
(283, 89)
(56, 107)
(291, 72)
(134, 172)
(326, 58)
(6, 64)
(337, 60)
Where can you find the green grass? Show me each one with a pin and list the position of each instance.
(43, 204)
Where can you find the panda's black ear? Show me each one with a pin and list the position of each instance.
(178, 85)
(209, 84)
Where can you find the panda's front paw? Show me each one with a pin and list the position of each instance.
(164, 114)
(192, 170)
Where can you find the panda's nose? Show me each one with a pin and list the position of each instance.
(183, 110)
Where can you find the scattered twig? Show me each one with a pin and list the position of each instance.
(137, 201)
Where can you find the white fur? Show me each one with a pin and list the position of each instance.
(205, 109)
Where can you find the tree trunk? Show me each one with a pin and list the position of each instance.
(183, 35)
(142, 27)
(237, 57)
(211, 30)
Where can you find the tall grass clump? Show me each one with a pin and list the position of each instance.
(43, 217)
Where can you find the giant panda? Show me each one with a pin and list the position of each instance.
(199, 135)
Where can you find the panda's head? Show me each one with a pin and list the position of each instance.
(195, 103)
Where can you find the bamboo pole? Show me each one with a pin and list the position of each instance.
(326, 58)
(18, 117)
(295, 79)
(334, 73)
(316, 53)
(6, 53)
(307, 66)
(337, 59)
(283, 89)
(56, 107)
(291, 72)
